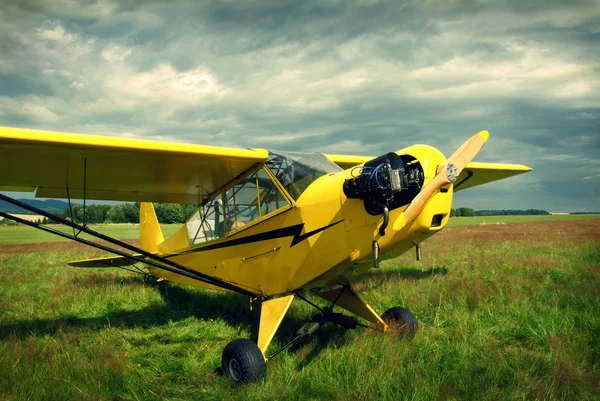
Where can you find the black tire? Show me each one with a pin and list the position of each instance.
(150, 280)
(401, 320)
(243, 362)
(163, 287)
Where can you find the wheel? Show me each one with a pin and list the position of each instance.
(243, 362)
(150, 280)
(163, 286)
(401, 319)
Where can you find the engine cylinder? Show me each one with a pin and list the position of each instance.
(388, 180)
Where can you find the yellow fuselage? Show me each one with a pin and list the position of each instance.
(289, 258)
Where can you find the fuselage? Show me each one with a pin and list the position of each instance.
(321, 238)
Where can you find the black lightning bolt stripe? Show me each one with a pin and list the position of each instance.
(289, 231)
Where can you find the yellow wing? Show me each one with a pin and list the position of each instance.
(346, 162)
(116, 168)
(476, 174)
(473, 175)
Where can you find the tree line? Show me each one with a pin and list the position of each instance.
(469, 212)
(167, 213)
(173, 213)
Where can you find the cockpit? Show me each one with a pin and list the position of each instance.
(264, 191)
(296, 171)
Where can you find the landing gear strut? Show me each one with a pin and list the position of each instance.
(315, 324)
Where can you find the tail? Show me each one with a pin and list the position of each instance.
(150, 232)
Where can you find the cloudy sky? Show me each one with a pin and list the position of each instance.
(356, 77)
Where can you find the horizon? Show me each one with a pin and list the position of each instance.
(113, 203)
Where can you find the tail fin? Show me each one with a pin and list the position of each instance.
(150, 232)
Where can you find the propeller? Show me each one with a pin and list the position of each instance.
(447, 174)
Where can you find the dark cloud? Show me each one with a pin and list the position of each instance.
(18, 85)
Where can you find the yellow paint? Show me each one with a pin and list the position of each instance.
(150, 232)
(483, 173)
(353, 303)
(271, 315)
(346, 161)
(117, 168)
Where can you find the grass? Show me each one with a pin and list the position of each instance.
(482, 220)
(506, 311)
(23, 234)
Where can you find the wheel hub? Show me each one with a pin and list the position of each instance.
(235, 370)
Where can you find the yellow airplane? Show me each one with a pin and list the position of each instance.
(275, 226)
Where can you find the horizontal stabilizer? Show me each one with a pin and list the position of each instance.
(111, 261)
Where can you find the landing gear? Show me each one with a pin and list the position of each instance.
(243, 362)
(326, 316)
(153, 281)
(401, 320)
(163, 286)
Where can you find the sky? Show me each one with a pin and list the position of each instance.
(348, 77)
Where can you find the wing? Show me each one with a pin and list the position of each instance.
(116, 168)
(476, 174)
(346, 162)
(473, 175)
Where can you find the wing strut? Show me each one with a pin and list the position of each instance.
(149, 258)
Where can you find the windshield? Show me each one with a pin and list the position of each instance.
(296, 170)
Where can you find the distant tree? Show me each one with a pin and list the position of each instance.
(169, 213)
(131, 212)
(115, 215)
(96, 214)
(510, 212)
(75, 211)
(188, 210)
(8, 222)
(465, 212)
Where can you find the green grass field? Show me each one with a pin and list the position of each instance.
(482, 220)
(23, 234)
(506, 311)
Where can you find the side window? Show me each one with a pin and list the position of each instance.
(271, 197)
(208, 223)
(252, 198)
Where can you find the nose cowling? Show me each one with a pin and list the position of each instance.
(446, 174)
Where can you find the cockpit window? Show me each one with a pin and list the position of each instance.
(251, 198)
(296, 170)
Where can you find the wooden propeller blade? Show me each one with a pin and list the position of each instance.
(468, 151)
(455, 164)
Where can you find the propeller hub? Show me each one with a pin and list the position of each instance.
(451, 172)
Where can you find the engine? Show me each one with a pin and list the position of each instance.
(388, 181)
